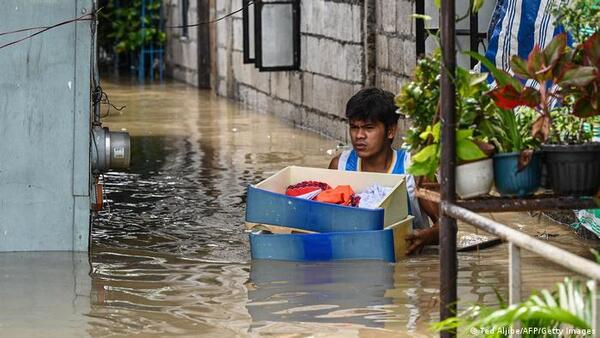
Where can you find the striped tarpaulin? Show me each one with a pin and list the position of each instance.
(517, 26)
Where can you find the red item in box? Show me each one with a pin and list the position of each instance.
(305, 187)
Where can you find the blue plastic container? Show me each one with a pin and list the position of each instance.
(268, 204)
(331, 246)
(509, 182)
(277, 209)
(383, 245)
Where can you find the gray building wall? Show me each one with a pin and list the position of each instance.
(181, 55)
(395, 49)
(395, 43)
(44, 128)
(345, 45)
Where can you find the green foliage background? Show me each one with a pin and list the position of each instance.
(120, 25)
(581, 18)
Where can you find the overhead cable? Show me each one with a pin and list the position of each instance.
(85, 17)
(216, 20)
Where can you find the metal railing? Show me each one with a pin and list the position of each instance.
(517, 241)
(451, 211)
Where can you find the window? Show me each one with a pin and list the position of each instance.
(248, 22)
(185, 5)
(275, 43)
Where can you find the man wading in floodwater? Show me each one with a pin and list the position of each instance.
(373, 121)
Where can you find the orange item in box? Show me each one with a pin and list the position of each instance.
(342, 194)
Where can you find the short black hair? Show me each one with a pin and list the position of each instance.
(372, 104)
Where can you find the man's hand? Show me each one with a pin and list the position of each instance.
(418, 239)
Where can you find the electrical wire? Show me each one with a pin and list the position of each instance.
(108, 212)
(92, 16)
(84, 17)
(216, 20)
(23, 30)
(99, 96)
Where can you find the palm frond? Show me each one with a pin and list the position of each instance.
(569, 306)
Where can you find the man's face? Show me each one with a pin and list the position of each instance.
(369, 138)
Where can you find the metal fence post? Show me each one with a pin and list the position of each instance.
(514, 274)
(514, 279)
(595, 309)
(448, 259)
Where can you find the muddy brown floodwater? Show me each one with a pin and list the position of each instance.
(169, 256)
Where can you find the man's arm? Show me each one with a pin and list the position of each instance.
(417, 240)
(334, 162)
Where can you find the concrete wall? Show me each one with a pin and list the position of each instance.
(395, 46)
(332, 67)
(181, 55)
(345, 46)
(44, 128)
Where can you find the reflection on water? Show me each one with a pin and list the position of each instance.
(323, 292)
(170, 257)
(44, 294)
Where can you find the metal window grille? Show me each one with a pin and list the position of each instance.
(185, 5)
(248, 27)
(471, 32)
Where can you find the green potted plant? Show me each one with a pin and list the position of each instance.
(474, 177)
(517, 166)
(570, 77)
(574, 161)
(419, 100)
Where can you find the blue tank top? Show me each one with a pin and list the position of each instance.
(350, 161)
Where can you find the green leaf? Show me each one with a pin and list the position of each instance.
(555, 49)
(423, 169)
(437, 3)
(583, 108)
(476, 6)
(591, 48)
(437, 132)
(467, 150)
(464, 134)
(596, 254)
(477, 79)
(578, 77)
(425, 153)
(519, 67)
(570, 305)
(425, 135)
(502, 77)
(536, 63)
